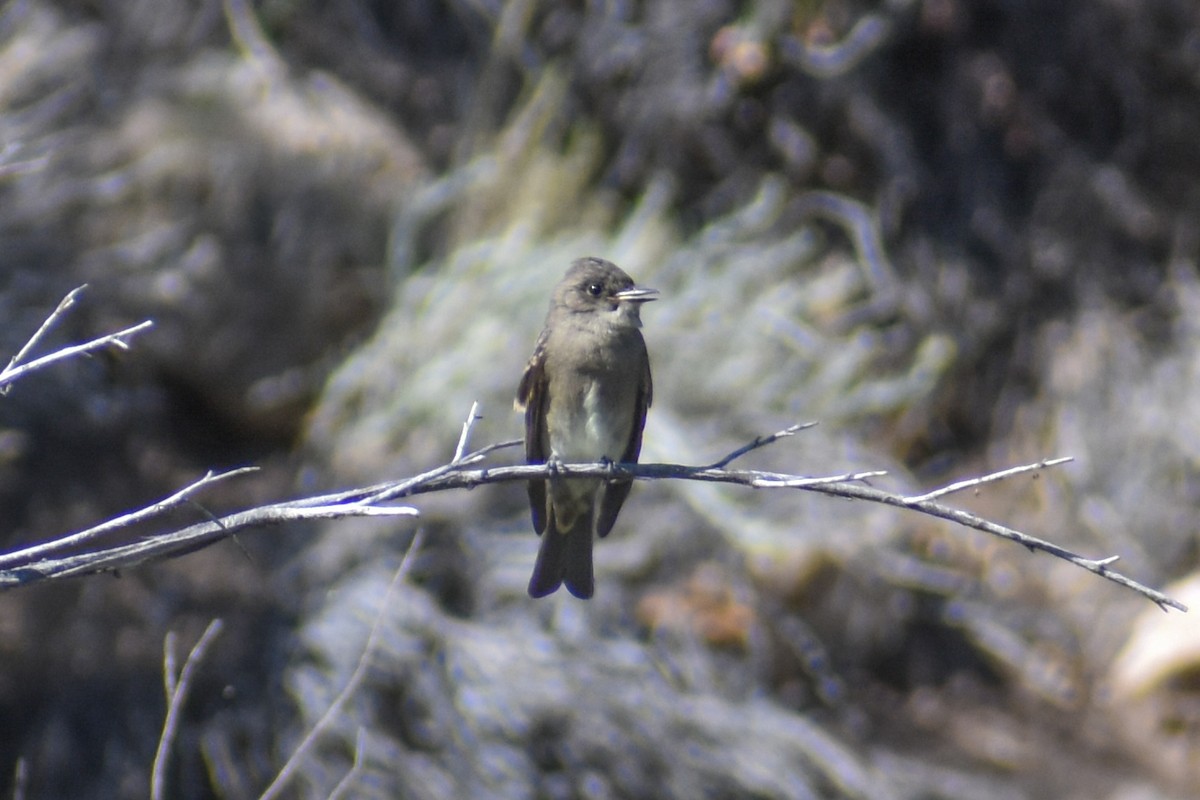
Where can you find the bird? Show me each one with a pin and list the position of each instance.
(585, 393)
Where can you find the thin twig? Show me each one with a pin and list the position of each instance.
(11, 374)
(347, 781)
(27, 554)
(49, 323)
(995, 476)
(293, 763)
(761, 441)
(383, 492)
(187, 540)
(177, 691)
(807, 483)
(20, 779)
(170, 675)
(472, 418)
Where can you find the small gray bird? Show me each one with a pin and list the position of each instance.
(585, 393)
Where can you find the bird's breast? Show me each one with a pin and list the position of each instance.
(592, 423)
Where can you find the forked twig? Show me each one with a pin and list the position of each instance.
(27, 554)
(177, 689)
(16, 369)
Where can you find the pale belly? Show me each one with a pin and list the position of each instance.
(587, 434)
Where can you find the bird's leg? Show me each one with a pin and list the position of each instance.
(609, 465)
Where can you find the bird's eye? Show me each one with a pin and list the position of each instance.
(595, 289)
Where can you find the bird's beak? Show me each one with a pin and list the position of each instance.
(638, 294)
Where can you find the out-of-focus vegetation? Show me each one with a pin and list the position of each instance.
(959, 235)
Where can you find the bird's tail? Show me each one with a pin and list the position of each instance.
(564, 557)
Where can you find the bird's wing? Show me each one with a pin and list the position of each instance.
(644, 396)
(532, 396)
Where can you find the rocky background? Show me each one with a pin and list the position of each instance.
(961, 235)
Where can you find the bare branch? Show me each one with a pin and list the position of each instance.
(390, 491)
(118, 340)
(177, 691)
(170, 674)
(27, 554)
(50, 322)
(806, 483)
(995, 476)
(181, 542)
(24, 567)
(848, 486)
(472, 418)
(360, 748)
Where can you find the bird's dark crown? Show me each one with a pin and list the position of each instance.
(591, 282)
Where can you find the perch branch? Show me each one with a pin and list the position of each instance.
(847, 486)
(466, 472)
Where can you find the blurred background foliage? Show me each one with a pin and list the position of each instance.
(961, 235)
